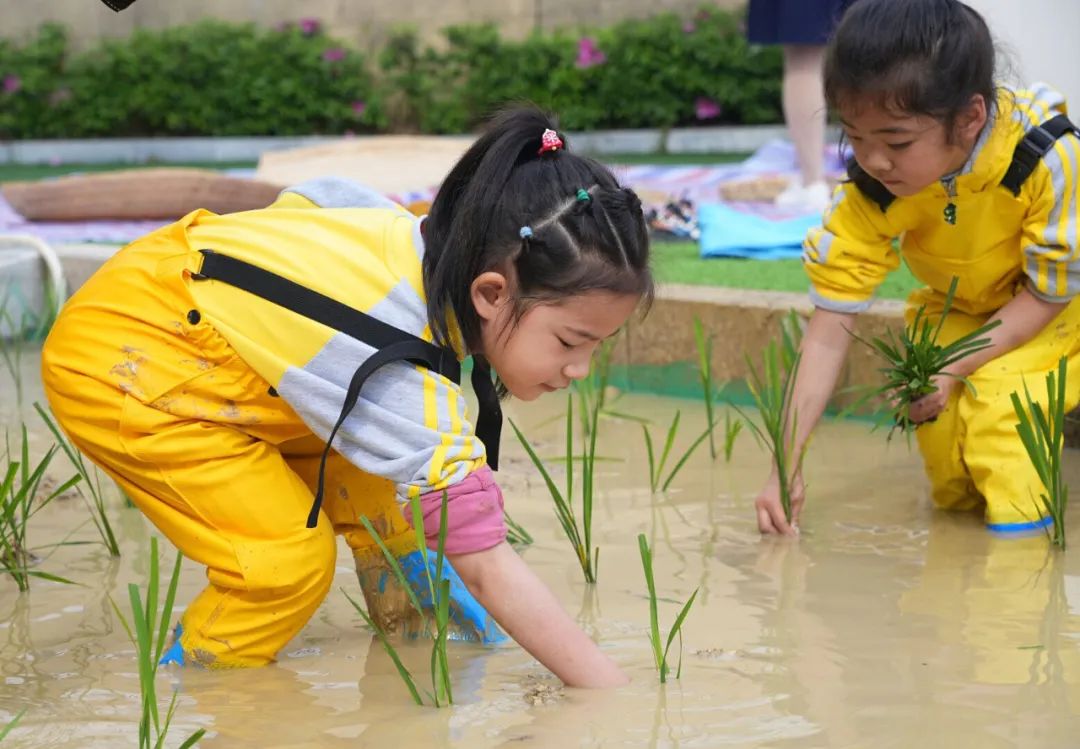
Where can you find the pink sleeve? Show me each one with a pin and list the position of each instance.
(474, 514)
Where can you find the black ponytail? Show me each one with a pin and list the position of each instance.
(509, 180)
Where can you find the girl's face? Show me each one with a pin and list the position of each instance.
(908, 152)
(553, 343)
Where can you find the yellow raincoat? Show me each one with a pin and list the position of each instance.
(211, 406)
(995, 244)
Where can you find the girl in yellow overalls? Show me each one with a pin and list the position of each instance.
(978, 182)
(209, 366)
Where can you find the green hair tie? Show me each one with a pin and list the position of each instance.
(583, 195)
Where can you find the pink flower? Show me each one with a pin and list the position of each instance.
(359, 107)
(12, 83)
(706, 108)
(334, 54)
(588, 54)
(309, 26)
(689, 27)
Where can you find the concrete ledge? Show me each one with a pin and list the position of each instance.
(741, 322)
(23, 279)
(80, 261)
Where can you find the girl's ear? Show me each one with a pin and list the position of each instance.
(969, 123)
(490, 293)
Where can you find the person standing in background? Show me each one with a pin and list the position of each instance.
(802, 27)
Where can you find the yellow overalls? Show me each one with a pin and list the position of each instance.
(970, 227)
(211, 407)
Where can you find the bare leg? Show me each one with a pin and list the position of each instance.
(804, 107)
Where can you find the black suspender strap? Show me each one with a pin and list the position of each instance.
(382, 357)
(1035, 144)
(391, 344)
(869, 186)
(489, 420)
(323, 309)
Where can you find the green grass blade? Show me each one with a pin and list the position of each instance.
(392, 562)
(123, 621)
(654, 620)
(516, 533)
(569, 449)
(676, 628)
(421, 542)
(11, 726)
(672, 431)
(653, 478)
(167, 607)
(51, 577)
(562, 509)
(193, 739)
(686, 456)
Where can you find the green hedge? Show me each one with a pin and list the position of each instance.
(214, 78)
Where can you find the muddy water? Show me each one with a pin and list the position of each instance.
(886, 624)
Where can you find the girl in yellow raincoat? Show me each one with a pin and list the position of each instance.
(978, 182)
(210, 367)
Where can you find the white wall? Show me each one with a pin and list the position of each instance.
(1042, 40)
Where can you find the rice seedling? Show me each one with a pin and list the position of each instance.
(20, 483)
(771, 389)
(732, 429)
(96, 501)
(791, 333)
(656, 467)
(580, 536)
(1043, 433)
(439, 590)
(704, 350)
(592, 390)
(441, 693)
(11, 726)
(660, 655)
(149, 635)
(915, 358)
(516, 533)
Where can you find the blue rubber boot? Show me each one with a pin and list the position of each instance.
(470, 620)
(175, 653)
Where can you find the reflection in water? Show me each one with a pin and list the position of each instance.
(885, 624)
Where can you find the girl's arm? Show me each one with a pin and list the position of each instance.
(824, 348)
(1021, 320)
(524, 606)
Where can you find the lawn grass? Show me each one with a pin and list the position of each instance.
(680, 262)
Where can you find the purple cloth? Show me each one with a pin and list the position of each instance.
(699, 183)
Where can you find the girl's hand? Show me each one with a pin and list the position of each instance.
(529, 612)
(930, 406)
(770, 511)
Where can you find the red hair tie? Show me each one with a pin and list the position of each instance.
(550, 141)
